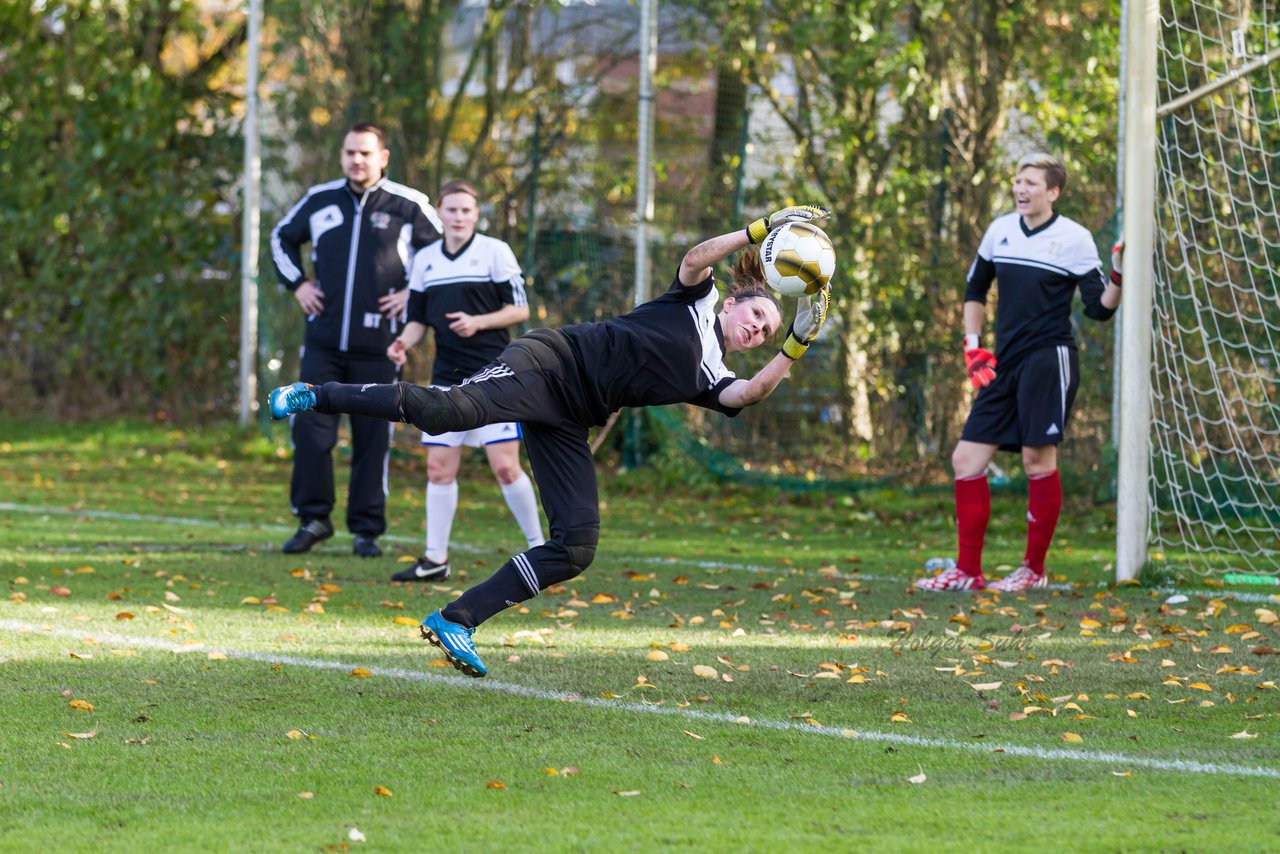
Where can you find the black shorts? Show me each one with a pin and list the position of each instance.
(1028, 405)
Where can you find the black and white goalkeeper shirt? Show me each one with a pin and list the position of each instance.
(480, 278)
(667, 350)
(1037, 271)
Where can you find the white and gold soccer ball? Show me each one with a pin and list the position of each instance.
(798, 259)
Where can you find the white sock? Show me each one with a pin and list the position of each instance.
(442, 504)
(524, 506)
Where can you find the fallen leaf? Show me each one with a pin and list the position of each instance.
(405, 621)
(124, 615)
(217, 656)
(382, 791)
(656, 655)
(355, 835)
(81, 706)
(360, 673)
(306, 796)
(702, 671)
(899, 718)
(1072, 738)
(495, 784)
(693, 735)
(1244, 733)
(1121, 773)
(1200, 686)
(94, 732)
(628, 794)
(59, 591)
(985, 686)
(919, 778)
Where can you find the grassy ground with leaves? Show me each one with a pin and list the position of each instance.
(739, 670)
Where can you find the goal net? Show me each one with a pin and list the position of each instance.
(1215, 396)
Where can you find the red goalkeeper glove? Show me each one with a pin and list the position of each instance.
(980, 363)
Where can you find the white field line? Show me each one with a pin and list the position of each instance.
(462, 547)
(1183, 766)
(1240, 596)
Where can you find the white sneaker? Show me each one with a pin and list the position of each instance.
(1022, 578)
(952, 579)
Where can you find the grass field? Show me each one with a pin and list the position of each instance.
(744, 671)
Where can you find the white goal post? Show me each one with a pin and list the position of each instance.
(1199, 435)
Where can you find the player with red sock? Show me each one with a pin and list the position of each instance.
(1027, 387)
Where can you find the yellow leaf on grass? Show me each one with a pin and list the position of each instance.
(498, 784)
(693, 735)
(1200, 686)
(295, 734)
(1244, 733)
(1221, 649)
(677, 646)
(1238, 628)
(702, 671)
(656, 655)
(81, 706)
(405, 621)
(124, 615)
(603, 598)
(251, 600)
(92, 733)
(306, 796)
(899, 718)
(361, 673)
(382, 791)
(1072, 738)
(1121, 773)
(985, 686)
(217, 656)
(628, 794)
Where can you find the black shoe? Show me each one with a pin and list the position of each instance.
(424, 570)
(307, 536)
(366, 546)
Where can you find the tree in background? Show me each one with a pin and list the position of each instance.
(115, 167)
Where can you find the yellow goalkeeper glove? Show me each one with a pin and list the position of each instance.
(811, 313)
(757, 230)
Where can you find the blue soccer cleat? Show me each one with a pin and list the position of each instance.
(455, 642)
(291, 399)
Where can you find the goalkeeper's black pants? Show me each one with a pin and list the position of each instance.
(525, 384)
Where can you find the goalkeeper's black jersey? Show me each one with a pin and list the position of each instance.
(667, 350)
(480, 278)
(1038, 271)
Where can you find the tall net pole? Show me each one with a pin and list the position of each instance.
(1132, 509)
(249, 233)
(644, 154)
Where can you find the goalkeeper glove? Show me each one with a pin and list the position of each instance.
(810, 315)
(757, 230)
(1117, 258)
(980, 363)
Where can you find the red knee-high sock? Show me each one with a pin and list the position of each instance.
(1044, 503)
(973, 511)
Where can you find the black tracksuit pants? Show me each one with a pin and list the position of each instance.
(311, 488)
(532, 382)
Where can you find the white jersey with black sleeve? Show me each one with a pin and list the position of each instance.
(1037, 271)
(480, 278)
(668, 350)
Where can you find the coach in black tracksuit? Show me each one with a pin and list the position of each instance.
(363, 231)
